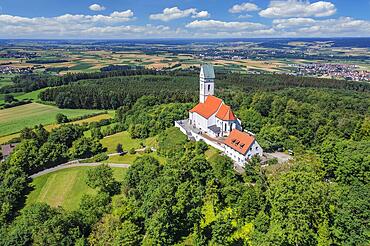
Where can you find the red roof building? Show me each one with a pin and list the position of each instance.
(239, 141)
(225, 113)
(208, 108)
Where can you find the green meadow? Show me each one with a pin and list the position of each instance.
(65, 188)
(14, 119)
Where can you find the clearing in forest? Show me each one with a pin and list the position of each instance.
(64, 188)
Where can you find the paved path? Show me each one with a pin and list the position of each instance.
(280, 156)
(75, 164)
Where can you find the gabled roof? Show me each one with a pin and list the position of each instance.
(225, 113)
(207, 71)
(208, 108)
(239, 141)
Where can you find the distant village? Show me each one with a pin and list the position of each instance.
(6, 69)
(341, 71)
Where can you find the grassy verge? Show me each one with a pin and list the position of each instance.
(129, 158)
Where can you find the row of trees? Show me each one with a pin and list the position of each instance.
(32, 82)
(122, 91)
(107, 91)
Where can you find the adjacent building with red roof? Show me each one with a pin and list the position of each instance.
(241, 146)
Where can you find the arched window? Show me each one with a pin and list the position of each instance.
(209, 88)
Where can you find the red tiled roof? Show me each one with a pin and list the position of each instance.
(225, 113)
(208, 108)
(239, 141)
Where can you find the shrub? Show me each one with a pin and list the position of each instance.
(132, 151)
(61, 118)
(100, 157)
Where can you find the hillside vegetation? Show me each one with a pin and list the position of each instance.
(194, 196)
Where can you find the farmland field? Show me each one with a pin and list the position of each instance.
(15, 119)
(64, 188)
(50, 127)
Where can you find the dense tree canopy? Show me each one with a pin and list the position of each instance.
(319, 198)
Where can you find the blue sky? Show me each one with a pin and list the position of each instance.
(183, 18)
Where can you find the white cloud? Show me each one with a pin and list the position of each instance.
(115, 25)
(223, 25)
(292, 22)
(298, 8)
(245, 16)
(64, 25)
(244, 7)
(344, 26)
(176, 13)
(202, 14)
(96, 7)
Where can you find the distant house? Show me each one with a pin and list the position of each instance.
(7, 149)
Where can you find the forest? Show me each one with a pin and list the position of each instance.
(322, 197)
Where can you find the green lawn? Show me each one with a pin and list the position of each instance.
(81, 66)
(5, 80)
(211, 153)
(33, 95)
(13, 120)
(64, 188)
(127, 142)
(129, 159)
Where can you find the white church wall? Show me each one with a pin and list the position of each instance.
(255, 149)
(211, 120)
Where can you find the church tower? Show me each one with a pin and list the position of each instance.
(207, 82)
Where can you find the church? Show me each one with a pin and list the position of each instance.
(211, 115)
(214, 122)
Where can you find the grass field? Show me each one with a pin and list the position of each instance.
(50, 127)
(15, 119)
(127, 142)
(5, 80)
(129, 159)
(64, 188)
(33, 95)
(211, 153)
